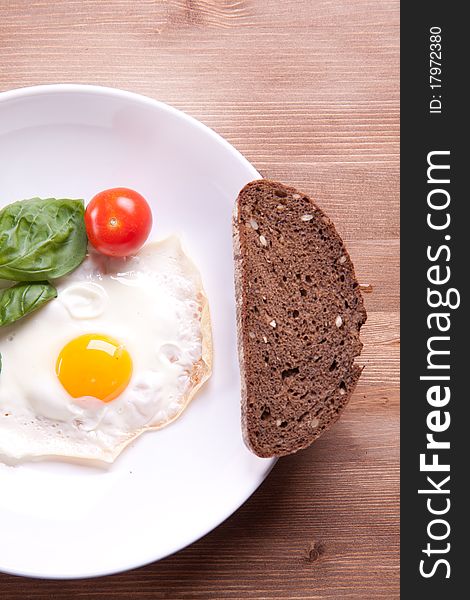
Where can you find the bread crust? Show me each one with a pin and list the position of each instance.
(238, 267)
(332, 402)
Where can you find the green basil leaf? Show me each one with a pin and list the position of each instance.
(41, 238)
(22, 299)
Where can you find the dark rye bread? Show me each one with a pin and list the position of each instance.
(299, 313)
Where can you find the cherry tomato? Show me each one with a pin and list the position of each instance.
(118, 221)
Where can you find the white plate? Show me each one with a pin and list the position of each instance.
(171, 487)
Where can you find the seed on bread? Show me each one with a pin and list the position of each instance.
(299, 292)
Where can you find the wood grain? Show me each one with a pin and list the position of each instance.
(309, 92)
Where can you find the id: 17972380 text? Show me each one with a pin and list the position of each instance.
(435, 69)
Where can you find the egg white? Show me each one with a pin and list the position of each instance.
(154, 304)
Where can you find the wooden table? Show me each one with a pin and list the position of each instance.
(308, 90)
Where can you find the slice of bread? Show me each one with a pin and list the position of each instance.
(299, 313)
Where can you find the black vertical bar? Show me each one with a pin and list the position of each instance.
(434, 120)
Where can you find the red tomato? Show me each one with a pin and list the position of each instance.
(118, 221)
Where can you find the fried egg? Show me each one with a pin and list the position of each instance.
(123, 349)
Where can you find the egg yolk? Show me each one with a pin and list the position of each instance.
(94, 365)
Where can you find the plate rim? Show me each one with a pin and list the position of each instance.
(107, 91)
(92, 89)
